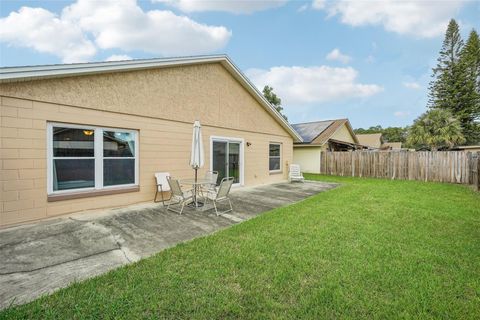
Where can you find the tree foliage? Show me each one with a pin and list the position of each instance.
(470, 65)
(436, 128)
(455, 81)
(273, 99)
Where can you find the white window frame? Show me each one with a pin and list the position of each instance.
(279, 157)
(98, 157)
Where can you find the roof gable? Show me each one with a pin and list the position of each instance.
(28, 73)
(319, 132)
(373, 140)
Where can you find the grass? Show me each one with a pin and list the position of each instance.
(368, 249)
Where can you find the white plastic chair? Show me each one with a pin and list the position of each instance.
(162, 185)
(212, 176)
(295, 174)
(181, 196)
(220, 195)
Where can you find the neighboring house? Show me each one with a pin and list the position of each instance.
(371, 140)
(374, 141)
(468, 148)
(318, 136)
(87, 136)
(395, 146)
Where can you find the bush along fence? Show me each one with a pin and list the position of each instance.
(439, 166)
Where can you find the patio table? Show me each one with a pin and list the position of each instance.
(195, 203)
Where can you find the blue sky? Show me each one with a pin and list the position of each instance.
(369, 61)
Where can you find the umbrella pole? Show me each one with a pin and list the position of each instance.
(195, 191)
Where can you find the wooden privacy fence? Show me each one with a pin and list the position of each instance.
(440, 166)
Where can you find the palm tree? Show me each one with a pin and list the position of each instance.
(436, 128)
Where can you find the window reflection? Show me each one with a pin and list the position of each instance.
(69, 142)
(118, 144)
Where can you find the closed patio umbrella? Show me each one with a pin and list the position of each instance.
(197, 157)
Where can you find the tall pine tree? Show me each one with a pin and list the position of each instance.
(470, 65)
(452, 88)
(446, 75)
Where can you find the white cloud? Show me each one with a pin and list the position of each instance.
(412, 85)
(418, 18)
(123, 24)
(111, 24)
(45, 32)
(232, 6)
(401, 114)
(318, 4)
(337, 55)
(303, 8)
(118, 57)
(316, 84)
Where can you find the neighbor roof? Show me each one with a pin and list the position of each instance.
(309, 131)
(468, 147)
(373, 140)
(393, 145)
(318, 132)
(27, 73)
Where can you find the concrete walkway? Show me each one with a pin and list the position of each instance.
(39, 258)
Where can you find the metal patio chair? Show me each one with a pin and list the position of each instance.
(162, 186)
(221, 194)
(180, 196)
(213, 177)
(295, 174)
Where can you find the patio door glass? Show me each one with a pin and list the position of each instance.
(234, 161)
(226, 159)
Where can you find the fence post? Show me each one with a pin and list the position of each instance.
(353, 164)
(478, 172)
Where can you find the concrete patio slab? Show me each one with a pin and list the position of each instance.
(40, 258)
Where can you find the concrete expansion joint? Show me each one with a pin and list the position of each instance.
(127, 253)
(124, 253)
(58, 264)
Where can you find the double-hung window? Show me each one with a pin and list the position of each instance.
(275, 157)
(82, 158)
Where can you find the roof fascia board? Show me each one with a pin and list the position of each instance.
(333, 123)
(303, 145)
(237, 73)
(350, 128)
(39, 72)
(15, 74)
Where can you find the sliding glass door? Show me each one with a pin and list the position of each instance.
(226, 157)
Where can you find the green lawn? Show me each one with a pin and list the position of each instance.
(368, 249)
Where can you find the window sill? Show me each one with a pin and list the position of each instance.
(90, 193)
(275, 172)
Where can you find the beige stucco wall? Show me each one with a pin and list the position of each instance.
(343, 134)
(308, 158)
(161, 104)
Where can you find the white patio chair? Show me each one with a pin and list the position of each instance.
(295, 174)
(161, 186)
(221, 194)
(212, 176)
(180, 196)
